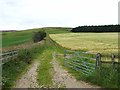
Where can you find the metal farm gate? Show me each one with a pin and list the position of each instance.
(79, 62)
(85, 62)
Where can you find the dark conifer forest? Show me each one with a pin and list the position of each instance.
(101, 28)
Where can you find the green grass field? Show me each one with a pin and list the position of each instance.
(20, 37)
(15, 38)
(104, 43)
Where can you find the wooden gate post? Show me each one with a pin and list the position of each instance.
(113, 61)
(98, 60)
(64, 54)
(65, 62)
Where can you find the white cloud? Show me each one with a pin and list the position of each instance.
(23, 14)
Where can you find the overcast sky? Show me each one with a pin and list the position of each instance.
(24, 14)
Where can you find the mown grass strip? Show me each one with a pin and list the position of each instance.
(44, 74)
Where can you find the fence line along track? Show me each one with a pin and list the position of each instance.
(4, 57)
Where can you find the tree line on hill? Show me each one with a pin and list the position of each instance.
(101, 28)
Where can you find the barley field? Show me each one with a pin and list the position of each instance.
(104, 43)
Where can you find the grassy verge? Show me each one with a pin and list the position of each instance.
(11, 71)
(14, 68)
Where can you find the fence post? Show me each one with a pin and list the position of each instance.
(65, 62)
(64, 54)
(12, 54)
(98, 61)
(113, 61)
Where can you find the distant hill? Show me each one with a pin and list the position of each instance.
(8, 31)
(58, 27)
(101, 28)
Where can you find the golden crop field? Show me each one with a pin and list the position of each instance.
(104, 43)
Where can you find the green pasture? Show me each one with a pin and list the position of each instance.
(20, 37)
(15, 38)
